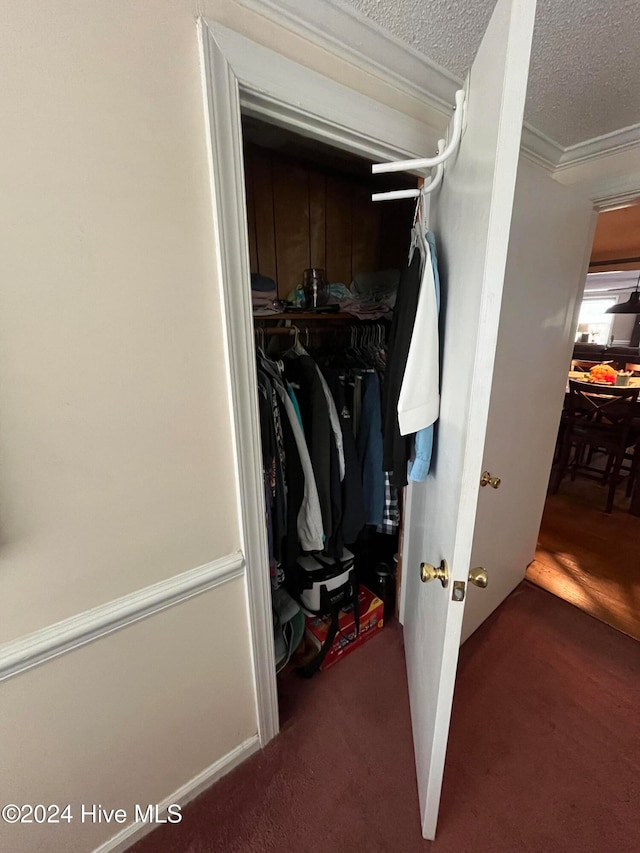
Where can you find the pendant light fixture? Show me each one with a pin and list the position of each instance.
(631, 306)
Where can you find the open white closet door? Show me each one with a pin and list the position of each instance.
(535, 342)
(471, 217)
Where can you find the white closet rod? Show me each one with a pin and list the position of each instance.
(429, 162)
(433, 184)
(395, 194)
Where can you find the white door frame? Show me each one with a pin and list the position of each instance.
(241, 74)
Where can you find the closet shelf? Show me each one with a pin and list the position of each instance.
(306, 315)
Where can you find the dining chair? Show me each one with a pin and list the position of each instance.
(596, 417)
(632, 453)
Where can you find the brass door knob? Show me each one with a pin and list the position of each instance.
(488, 480)
(431, 573)
(478, 577)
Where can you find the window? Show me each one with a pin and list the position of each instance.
(594, 325)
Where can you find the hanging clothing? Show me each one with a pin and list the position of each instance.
(295, 492)
(294, 400)
(391, 512)
(306, 425)
(274, 460)
(356, 407)
(419, 398)
(335, 422)
(313, 477)
(397, 447)
(369, 446)
(419, 468)
(308, 513)
(353, 512)
(301, 371)
(310, 518)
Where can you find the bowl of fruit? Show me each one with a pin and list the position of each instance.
(603, 373)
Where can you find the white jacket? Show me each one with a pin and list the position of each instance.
(419, 401)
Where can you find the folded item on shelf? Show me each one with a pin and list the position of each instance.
(339, 291)
(262, 282)
(263, 298)
(263, 302)
(365, 310)
(360, 304)
(375, 286)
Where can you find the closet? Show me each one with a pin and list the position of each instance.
(309, 207)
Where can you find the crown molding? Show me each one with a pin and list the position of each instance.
(540, 148)
(619, 281)
(611, 180)
(355, 39)
(358, 41)
(625, 139)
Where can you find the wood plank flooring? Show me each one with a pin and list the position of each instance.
(588, 558)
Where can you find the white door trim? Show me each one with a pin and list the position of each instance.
(238, 73)
(222, 105)
(289, 94)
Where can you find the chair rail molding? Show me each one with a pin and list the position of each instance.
(47, 643)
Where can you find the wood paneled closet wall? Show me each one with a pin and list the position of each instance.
(316, 211)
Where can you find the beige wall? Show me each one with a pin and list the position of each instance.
(115, 439)
(128, 719)
(117, 466)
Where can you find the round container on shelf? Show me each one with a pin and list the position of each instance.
(315, 287)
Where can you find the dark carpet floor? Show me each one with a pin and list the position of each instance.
(544, 751)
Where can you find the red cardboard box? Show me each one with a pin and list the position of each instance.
(371, 619)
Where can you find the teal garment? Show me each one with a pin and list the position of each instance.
(294, 400)
(419, 468)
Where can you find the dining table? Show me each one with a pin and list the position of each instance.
(581, 376)
(633, 382)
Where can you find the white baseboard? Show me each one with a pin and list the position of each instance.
(129, 835)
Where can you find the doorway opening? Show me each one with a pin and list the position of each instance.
(585, 555)
(309, 208)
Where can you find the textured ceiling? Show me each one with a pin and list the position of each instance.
(584, 80)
